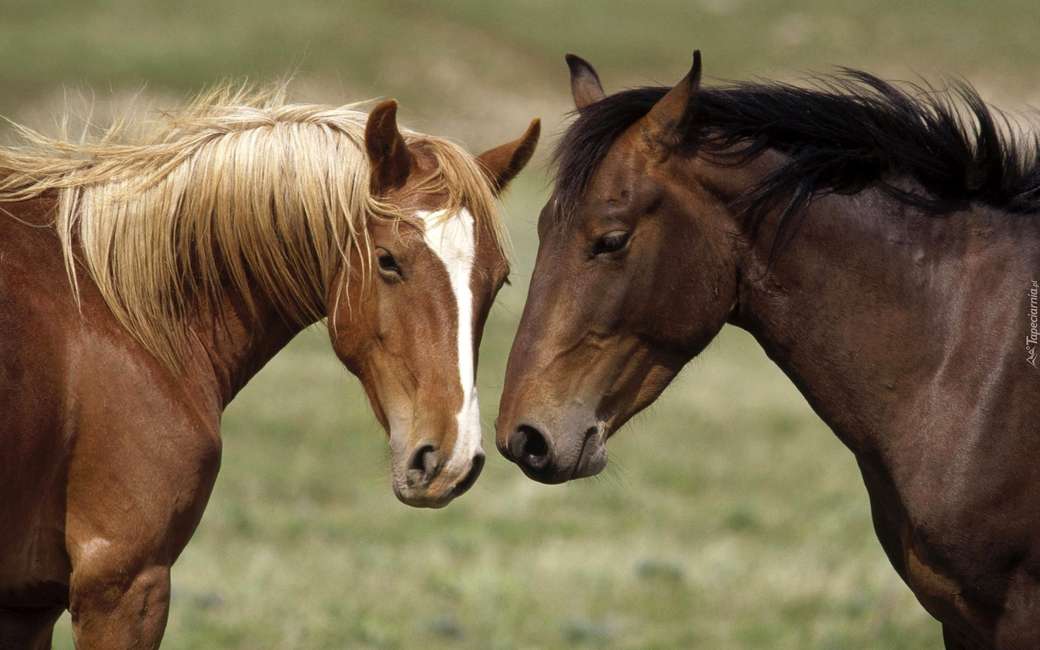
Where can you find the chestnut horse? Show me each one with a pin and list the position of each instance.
(881, 244)
(142, 285)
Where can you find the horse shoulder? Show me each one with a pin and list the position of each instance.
(147, 450)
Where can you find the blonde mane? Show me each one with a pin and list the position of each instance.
(238, 191)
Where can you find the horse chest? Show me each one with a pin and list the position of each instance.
(941, 594)
(953, 577)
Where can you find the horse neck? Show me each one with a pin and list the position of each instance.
(236, 342)
(867, 305)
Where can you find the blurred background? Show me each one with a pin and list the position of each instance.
(729, 516)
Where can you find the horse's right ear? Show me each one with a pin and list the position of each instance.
(585, 85)
(388, 154)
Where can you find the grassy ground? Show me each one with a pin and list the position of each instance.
(729, 518)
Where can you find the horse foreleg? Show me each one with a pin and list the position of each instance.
(115, 609)
(133, 504)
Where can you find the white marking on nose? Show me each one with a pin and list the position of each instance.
(452, 238)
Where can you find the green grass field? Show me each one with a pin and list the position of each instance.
(730, 517)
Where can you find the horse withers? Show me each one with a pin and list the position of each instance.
(881, 244)
(143, 284)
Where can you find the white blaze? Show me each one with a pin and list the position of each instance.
(452, 239)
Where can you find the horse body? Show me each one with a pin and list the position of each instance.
(883, 247)
(34, 451)
(109, 455)
(109, 450)
(904, 334)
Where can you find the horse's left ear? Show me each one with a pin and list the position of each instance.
(670, 119)
(585, 85)
(388, 154)
(504, 162)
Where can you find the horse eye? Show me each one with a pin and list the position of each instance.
(611, 242)
(387, 264)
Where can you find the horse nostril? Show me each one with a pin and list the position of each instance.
(530, 447)
(423, 465)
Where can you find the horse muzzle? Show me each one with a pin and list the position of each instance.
(549, 459)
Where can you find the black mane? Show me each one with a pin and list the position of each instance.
(845, 134)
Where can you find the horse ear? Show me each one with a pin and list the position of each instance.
(388, 154)
(585, 85)
(504, 162)
(669, 120)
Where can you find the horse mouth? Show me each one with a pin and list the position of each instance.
(429, 496)
(592, 457)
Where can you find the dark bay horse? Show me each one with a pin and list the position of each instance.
(882, 243)
(142, 285)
